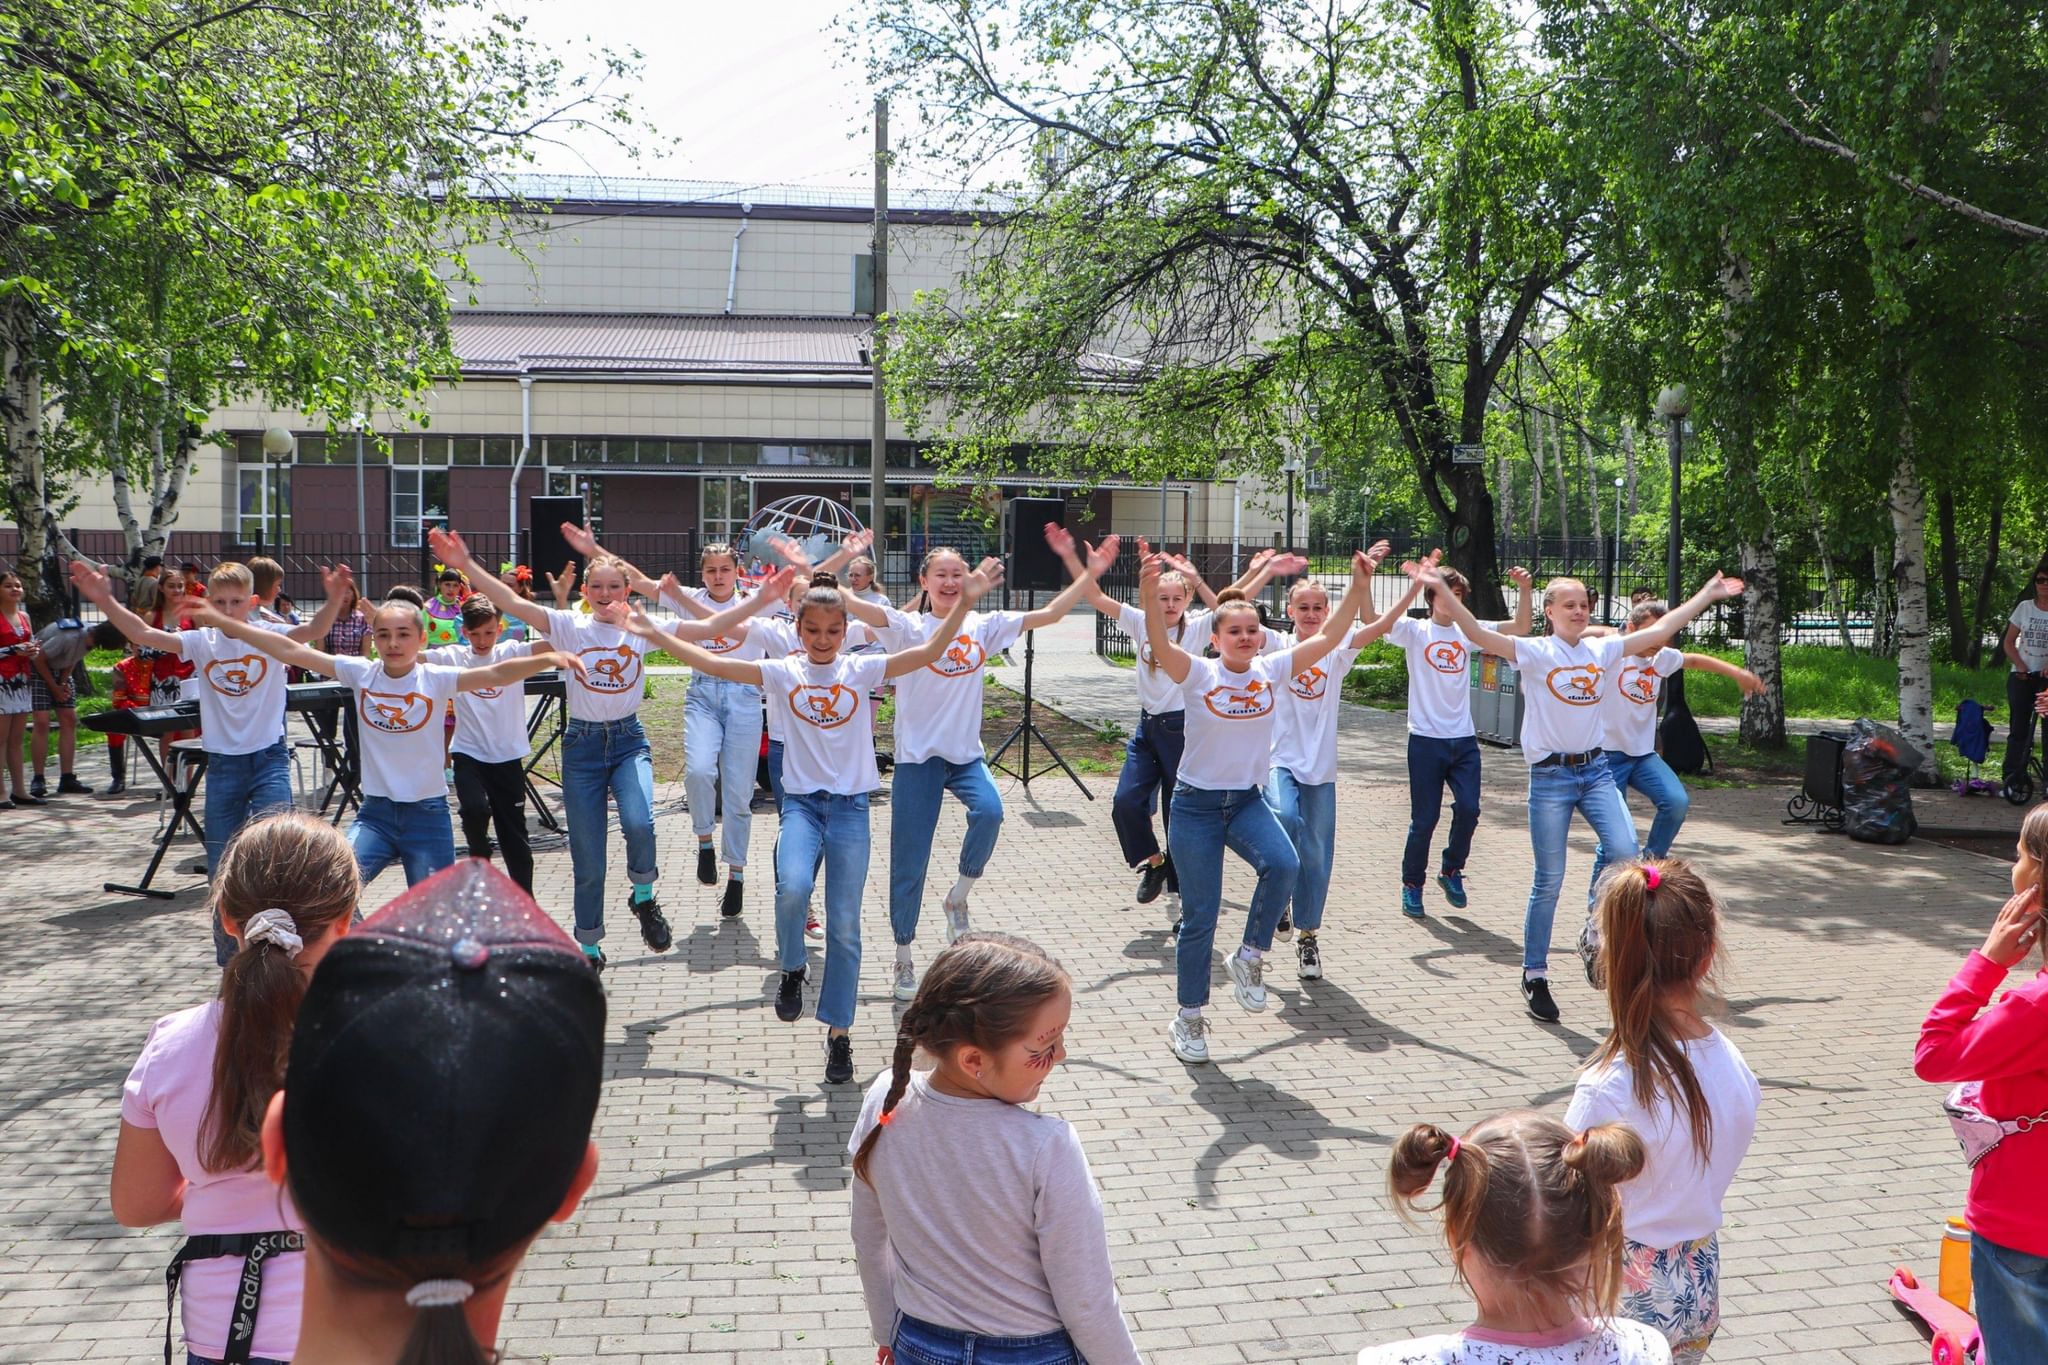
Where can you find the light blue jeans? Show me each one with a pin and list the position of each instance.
(1652, 776)
(1204, 824)
(1554, 793)
(925, 1343)
(239, 788)
(721, 750)
(600, 758)
(1308, 812)
(914, 795)
(837, 826)
(415, 834)
(2010, 1290)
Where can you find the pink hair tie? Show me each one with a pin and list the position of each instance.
(1456, 1147)
(1652, 876)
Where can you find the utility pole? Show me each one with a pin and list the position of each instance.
(878, 448)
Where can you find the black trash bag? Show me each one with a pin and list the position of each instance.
(1877, 784)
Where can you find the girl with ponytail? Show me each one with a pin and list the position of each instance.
(192, 1109)
(1532, 1217)
(1672, 1077)
(1020, 1271)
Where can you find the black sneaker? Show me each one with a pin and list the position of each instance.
(789, 997)
(30, 800)
(1151, 881)
(838, 1058)
(734, 889)
(36, 787)
(69, 785)
(707, 864)
(594, 955)
(1536, 995)
(653, 924)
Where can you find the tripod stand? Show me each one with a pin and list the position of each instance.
(1026, 728)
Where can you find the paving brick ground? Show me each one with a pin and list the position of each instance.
(1245, 1199)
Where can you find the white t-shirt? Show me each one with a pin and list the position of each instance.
(1305, 730)
(2032, 644)
(1561, 690)
(612, 682)
(1628, 714)
(1676, 1199)
(739, 644)
(827, 739)
(1607, 1343)
(938, 707)
(490, 726)
(1439, 676)
(775, 639)
(1231, 720)
(1157, 692)
(240, 690)
(398, 726)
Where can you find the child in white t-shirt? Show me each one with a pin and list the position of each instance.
(1565, 677)
(2025, 645)
(403, 817)
(1532, 1217)
(828, 772)
(490, 746)
(1679, 1084)
(1443, 744)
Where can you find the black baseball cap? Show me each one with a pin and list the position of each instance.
(444, 1074)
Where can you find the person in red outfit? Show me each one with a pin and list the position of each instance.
(2005, 1048)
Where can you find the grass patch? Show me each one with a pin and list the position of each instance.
(1824, 683)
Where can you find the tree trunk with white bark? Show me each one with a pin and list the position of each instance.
(1908, 503)
(21, 426)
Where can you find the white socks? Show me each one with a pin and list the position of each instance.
(1249, 953)
(962, 889)
(903, 952)
(1194, 1013)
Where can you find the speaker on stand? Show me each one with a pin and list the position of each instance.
(550, 550)
(1033, 567)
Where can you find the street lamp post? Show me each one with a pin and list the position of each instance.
(361, 422)
(1673, 403)
(1614, 551)
(278, 445)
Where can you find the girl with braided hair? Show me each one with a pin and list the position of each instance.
(1020, 1273)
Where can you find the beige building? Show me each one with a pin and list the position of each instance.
(678, 355)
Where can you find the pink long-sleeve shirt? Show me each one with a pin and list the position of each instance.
(2006, 1048)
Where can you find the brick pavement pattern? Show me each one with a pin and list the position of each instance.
(1245, 1199)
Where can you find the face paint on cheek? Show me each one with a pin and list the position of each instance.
(1040, 1061)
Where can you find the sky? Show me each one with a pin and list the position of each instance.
(750, 91)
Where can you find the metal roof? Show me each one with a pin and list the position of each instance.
(689, 343)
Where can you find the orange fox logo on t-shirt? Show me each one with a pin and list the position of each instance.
(1445, 656)
(1575, 684)
(1232, 702)
(238, 677)
(821, 705)
(1638, 683)
(395, 713)
(963, 656)
(609, 668)
(1310, 683)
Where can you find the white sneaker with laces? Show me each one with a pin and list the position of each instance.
(1248, 980)
(956, 919)
(814, 928)
(1189, 1038)
(905, 973)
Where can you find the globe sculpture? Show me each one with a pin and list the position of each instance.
(816, 523)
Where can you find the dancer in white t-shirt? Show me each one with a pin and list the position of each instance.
(1220, 800)
(490, 746)
(1565, 677)
(828, 772)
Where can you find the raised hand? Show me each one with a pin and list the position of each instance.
(2017, 928)
(1059, 538)
(1364, 566)
(337, 580)
(775, 586)
(448, 547)
(1179, 564)
(93, 585)
(1288, 565)
(1721, 587)
(581, 539)
(859, 542)
(1258, 558)
(1423, 571)
(983, 579)
(636, 621)
(1750, 683)
(560, 588)
(1102, 555)
(568, 663)
(1520, 577)
(992, 566)
(670, 587)
(1378, 551)
(790, 553)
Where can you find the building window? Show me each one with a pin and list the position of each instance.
(727, 503)
(564, 483)
(419, 499)
(263, 504)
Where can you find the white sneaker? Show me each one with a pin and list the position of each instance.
(956, 920)
(1189, 1038)
(906, 979)
(1173, 907)
(1311, 955)
(814, 928)
(1589, 954)
(1247, 980)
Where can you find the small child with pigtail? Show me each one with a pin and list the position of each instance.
(1532, 1216)
(1671, 1076)
(1023, 1265)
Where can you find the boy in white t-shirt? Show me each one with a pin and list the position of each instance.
(2026, 646)
(241, 698)
(490, 745)
(1443, 744)
(399, 698)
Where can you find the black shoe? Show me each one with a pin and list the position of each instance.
(1151, 882)
(117, 786)
(1536, 995)
(838, 1059)
(730, 906)
(30, 800)
(653, 924)
(69, 785)
(707, 864)
(789, 997)
(36, 787)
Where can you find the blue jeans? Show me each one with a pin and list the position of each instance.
(1204, 824)
(1432, 763)
(914, 795)
(1308, 812)
(239, 788)
(416, 834)
(721, 749)
(835, 826)
(600, 757)
(926, 1343)
(1554, 793)
(1652, 776)
(2010, 1293)
(1151, 768)
(191, 1359)
(774, 757)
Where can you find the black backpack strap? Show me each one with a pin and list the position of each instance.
(254, 1248)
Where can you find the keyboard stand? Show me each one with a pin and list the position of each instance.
(181, 810)
(559, 709)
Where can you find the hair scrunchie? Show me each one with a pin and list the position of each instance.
(439, 1293)
(274, 926)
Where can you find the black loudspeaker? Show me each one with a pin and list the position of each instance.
(1033, 565)
(550, 550)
